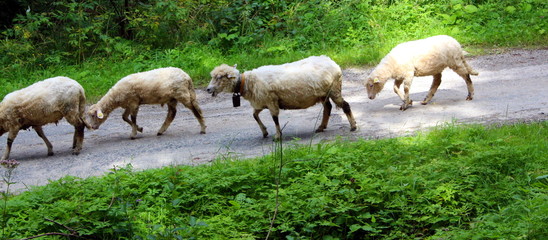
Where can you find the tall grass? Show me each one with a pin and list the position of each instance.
(455, 182)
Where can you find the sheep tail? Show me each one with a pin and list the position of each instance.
(470, 70)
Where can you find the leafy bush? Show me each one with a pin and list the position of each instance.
(76, 30)
(455, 182)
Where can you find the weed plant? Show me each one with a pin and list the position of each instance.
(8, 170)
(455, 182)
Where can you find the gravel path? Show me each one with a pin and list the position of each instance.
(512, 86)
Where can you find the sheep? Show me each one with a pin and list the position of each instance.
(159, 86)
(44, 102)
(296, 85)
(423, 57)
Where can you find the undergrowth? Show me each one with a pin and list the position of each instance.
(454, 182)
(98, 42)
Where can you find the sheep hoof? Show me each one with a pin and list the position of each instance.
(319, 130)
(50, 154)
(132, 138)
(265, 135)
(352, 129)
(202, 132)
(469, 98)
(406, 105)
(76, 153)
(140, 129)
(403, 108)
(424, 103)
(159, 134)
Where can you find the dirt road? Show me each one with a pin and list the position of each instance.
(512, 86)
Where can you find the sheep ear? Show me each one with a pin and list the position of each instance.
(100, 114)
(376, 80)
(235, 65)
(230, 76)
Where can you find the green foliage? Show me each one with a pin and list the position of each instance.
(110, 38)
(454, 182)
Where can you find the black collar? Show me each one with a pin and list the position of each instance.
(239, 87)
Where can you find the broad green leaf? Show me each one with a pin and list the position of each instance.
(470, 9)
(510, 9)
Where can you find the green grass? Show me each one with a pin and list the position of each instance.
(454, 182)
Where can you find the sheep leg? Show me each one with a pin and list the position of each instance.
(469, 85)
(397, 85)
(74, 138)
(125, 116)
(275, 111)
(78, 138)
(435, 84)
(278, 130)
(341, 103)
(79, 126)
(406, 101)
(11, 137)
(349, 115)
(464, 70)
(41, 134)
(198, 114)
(326, 113)
(171, 112)
(132, 122)
(261, 125)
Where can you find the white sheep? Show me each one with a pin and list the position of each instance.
(44, 102)
(296, 85)
(159, 86)
(423, 57)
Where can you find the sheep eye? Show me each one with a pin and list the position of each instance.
(370, 85)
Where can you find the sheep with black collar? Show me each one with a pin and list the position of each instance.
(296, 85)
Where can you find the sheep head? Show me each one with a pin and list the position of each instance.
(223, 79)
(374, 85)
(95, 117)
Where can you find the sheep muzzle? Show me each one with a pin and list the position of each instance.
(212, 91)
